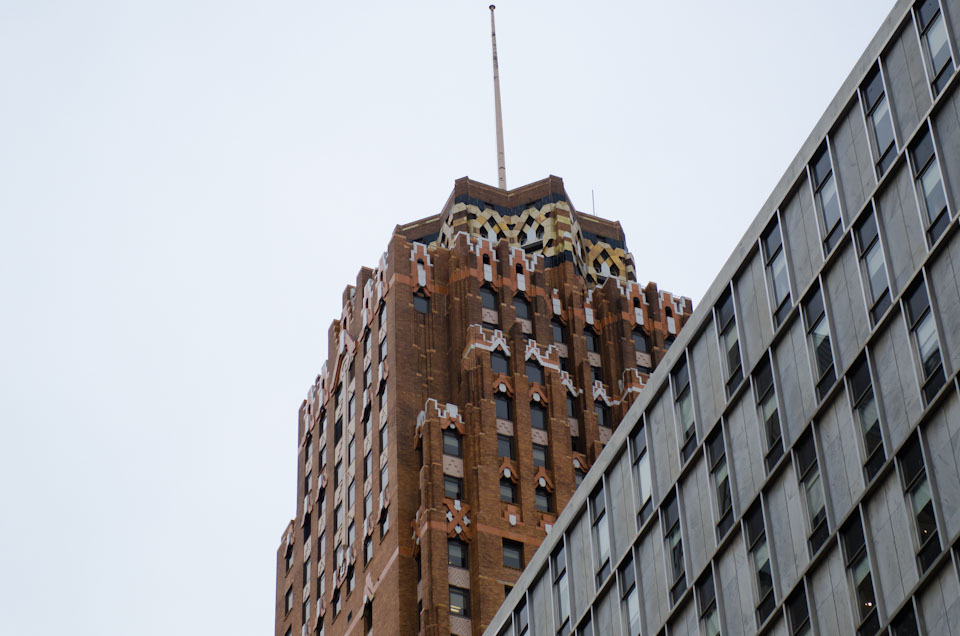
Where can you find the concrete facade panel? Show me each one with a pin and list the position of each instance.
(743, 455)
(787, 528)
(753, 312)
(886, 522)
(579, 556)
(900, 219)
(734, 591)
(800, 232)
(901, 63)
(945, 283)
(666, 463)
(946, 125)
(652, 575)
(939, 603)
(829, 595)
(894, 380)
(692, 492)
(943, 442)
(854, 161)
(606, 614)
(622, 507)
(841, 463)
(848, 308)
(541, 612)
(705, 359)
(796, 382)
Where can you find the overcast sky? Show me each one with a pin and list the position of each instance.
(187, 186)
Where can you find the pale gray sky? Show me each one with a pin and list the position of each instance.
(187, 186)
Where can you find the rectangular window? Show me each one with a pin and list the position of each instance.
(559, 333)
(593, 346)
(383, 350)
(683, 402)
(452, 443)
(513, 554)
(384, 437)
(543, 499)
(508, 491)
(865, 407)
(857, 563)
(766, 393)
(538, 416)
(876, 109)
(601, 533)
(808, 468)
(776, 262)
(756, 537)
(561, 590)
(729, 341)
(338, 473)
(827, 197)
(351, 494)
(905, 624)
(499, 363)
(338, 515)
(670, 517)
(818, 332)
(502, 402)
(505, 446)
(602, 411)
(641, 472)
(929, 183)
(717, 456)
(368, 464)
(457, 553)
(534, 372)
(384, 477)
(541, 456)
(933, 32)
(459, 602)
(917, 488)
(453, 487)
(368, 505)
(352, 451)
(707, 605)
(924, 330)
(798, 616)
(873, 267)
(630, 597)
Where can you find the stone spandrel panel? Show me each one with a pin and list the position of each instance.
(828, 594)
(753, 312)
(942, 434)
(744, 453)
(800, 234)
(686, 621)
(606, 613)
(622, 509)
(939, 603)
(840, 459)
(704, 356)
(651, 576)
(794, 382)
(907, 84)
(541, 615)
(900, 221)
(697, 514)
(946, 125)
(896, 384)
(847, 307)
(581, 579)
(788, 529)
(945, 284)
(665, 456)
(887, 522)
(734, 591)
(853, 160)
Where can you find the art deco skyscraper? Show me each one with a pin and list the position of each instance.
(472, 379)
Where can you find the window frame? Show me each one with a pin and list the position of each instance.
(830, 236)
(883, 158)
(780, 307)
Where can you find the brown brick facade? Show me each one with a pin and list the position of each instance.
(529, 249)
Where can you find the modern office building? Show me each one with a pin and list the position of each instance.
(472, 379)
(793, 464)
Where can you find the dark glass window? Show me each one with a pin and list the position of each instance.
(905, 624)
(513, 554)
(879, 120)
(522, 308)
(459, 602)
(808, 468)
(933, 32)
(707, 605)
(865, 406)
(499, 364)
(729, 341)
(925, 336)
(544, 499)
(457, 553)
(670, 517)
(926, 171)
(603, 414)
(452, 443)
(538, 416)
(798, 615)
(505, 446)
(559, 332)
(777, 271)
(641, 470)
(593, 346)
(488, 299)
(855, 556)
(534, 372)
(683, 402)
(541, 456)
(504, 410)
(828, 199)
(769, 414)
(421, 304)
(508, 491)
(818, 332)
(760, 554)
(717, 456)
(917, 488)
(875, 272)
(601, 533)
(641, 341)
(452, 487)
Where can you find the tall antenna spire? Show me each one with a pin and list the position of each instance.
(501, 164)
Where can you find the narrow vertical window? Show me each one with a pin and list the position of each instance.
(601, 533)
(933, 32)
(798, 615)
(508, 491)
(729, 341)
(670, 516)
(561, 590)
(776, 261)
(818, 332)
(924, 330)
(499, 363)
(521, 619)
(459, 602)
(855, 557)
(874, 270)
(505, 446)
(602, 412)
(543, 499)
(503, 407)
(808, 468)
(488, 299)
(827, 196)
(629, 597)
(513, 554)
(926, 172)
(522, 308)
(452, 443)
(717, 456)
(538, 416)
(756, 537)
(876, 108)
(905, 624)
(769, 414)
(559, 332)
(541, 455)
(917, 488)
(707, 604)
(641, 471)
(865, 407)
(683, 403)
(593, 346)
(534, 372)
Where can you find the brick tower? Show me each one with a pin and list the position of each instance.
(471, 380)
